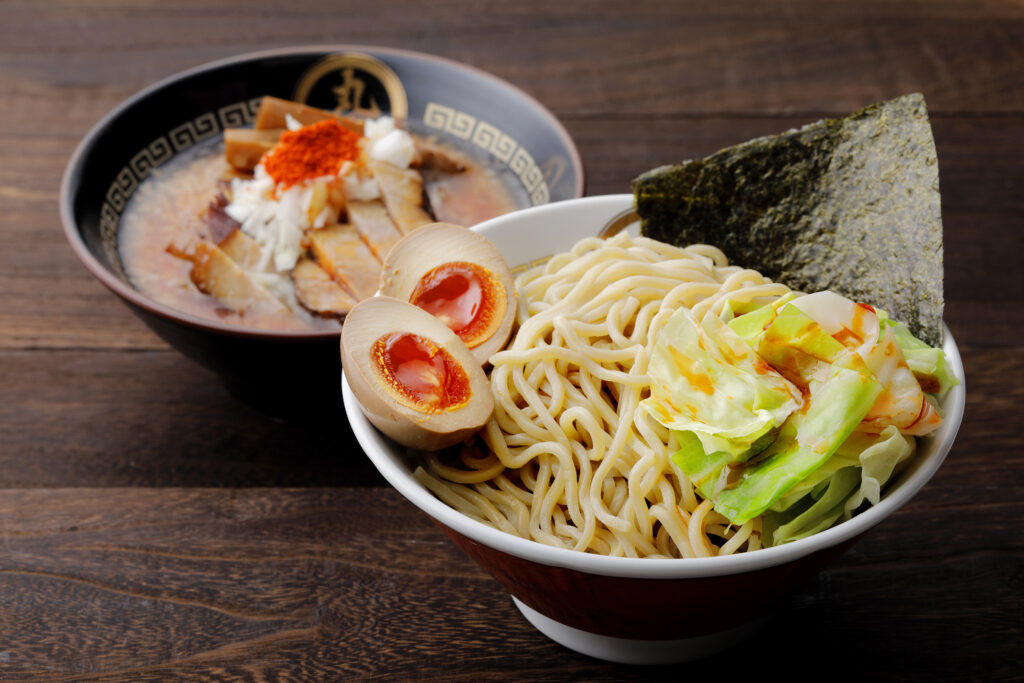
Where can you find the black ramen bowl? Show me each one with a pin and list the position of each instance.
(474, 111)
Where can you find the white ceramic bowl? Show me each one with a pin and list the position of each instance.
(637, 619)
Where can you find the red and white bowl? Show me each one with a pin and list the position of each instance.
(626, 609)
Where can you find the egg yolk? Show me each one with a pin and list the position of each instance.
(467, 297)
(419, 373)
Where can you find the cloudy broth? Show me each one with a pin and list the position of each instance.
(169, 212)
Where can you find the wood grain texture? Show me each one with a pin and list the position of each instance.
(578, 57)
(154, 528)
(298, 584)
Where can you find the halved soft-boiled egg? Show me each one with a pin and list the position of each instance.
(416, 381)
(459, 277)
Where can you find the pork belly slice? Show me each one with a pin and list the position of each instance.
(374, 225)
(315, 289)
(402, 190)
(342, 253)
(273, 112)
(437, 157)
(244, 147)
(214, 273)
(242, 249)
(217, 224)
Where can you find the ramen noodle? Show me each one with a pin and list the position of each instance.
(637, 363)
(572, 461)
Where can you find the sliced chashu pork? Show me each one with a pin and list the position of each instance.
(273, 113)
(374, 225)
(318, 291)
(342, 253)
(314, 288)
(242, 249)
(402, 191)
(244, 147)
(435, 156)
(215, 273)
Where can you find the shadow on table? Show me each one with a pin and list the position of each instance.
(156, 419)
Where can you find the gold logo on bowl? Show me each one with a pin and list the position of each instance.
(352, 82)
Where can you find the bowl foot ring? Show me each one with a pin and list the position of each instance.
(630, 651)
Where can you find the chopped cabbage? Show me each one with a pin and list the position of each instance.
(802, 409)
(715, 386)
(855, 474)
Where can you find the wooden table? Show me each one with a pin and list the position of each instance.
(151, 527)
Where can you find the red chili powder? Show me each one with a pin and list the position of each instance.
(311, 151)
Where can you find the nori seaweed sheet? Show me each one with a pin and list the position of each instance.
(848, 204)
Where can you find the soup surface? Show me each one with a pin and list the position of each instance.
(181, 215)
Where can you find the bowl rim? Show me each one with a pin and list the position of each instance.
(73, 170)
(375, 446)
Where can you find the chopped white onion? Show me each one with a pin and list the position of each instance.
(277, 220)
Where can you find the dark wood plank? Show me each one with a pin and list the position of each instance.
(645, 57)
(153, 418)
(357, 583)
(152, 527)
